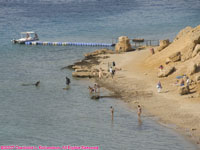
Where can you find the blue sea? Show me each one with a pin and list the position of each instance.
(50, 116)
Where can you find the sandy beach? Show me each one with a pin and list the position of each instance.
(136, 83)
(138, 73)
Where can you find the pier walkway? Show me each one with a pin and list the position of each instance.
(68, 44)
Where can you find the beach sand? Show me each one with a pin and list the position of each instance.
(136, 83)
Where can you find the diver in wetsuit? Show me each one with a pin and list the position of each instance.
(67, 81)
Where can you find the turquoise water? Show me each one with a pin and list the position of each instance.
(50, 116)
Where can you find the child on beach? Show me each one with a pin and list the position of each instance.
(159, 87)
(161, 67)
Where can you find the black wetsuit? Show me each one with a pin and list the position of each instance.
(113, 63)
(67, 81)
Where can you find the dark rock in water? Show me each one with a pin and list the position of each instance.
(84, 74)
(108, 96)
(67, 67)
(95, 97)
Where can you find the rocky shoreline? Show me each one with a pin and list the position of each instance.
(84, 68)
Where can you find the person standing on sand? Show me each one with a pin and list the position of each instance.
(113, 63)
(111, 71)
(139, 111)
(159, 87)
(188, 81)
(161, 67)
(112, 112)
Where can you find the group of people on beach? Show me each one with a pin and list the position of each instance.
(183, 80)
(112, 69)
(94, 89)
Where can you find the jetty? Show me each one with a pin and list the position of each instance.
(68, 44)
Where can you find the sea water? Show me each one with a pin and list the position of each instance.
(50, 116)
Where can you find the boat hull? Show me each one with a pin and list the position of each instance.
(23, 42)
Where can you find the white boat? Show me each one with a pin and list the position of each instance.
(26, 37)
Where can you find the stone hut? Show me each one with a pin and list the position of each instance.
(123, 44)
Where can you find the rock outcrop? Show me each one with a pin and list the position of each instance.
(184, 90)
(166, 72)
(192, 69)
(183, 53)
(163, 44)
(190, 37)
(123, 44)
(187, 51)
(197, 78)
(84, 68)
(98, 52)
(77, 67)
(183, 32)
(196, 50)
(174, 57)
(85, 74)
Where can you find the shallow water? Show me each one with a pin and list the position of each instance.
(51, 116)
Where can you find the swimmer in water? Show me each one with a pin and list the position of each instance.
(139, 111)
(112, 112)
(36, 84)
(91, 89)
(67, 81)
